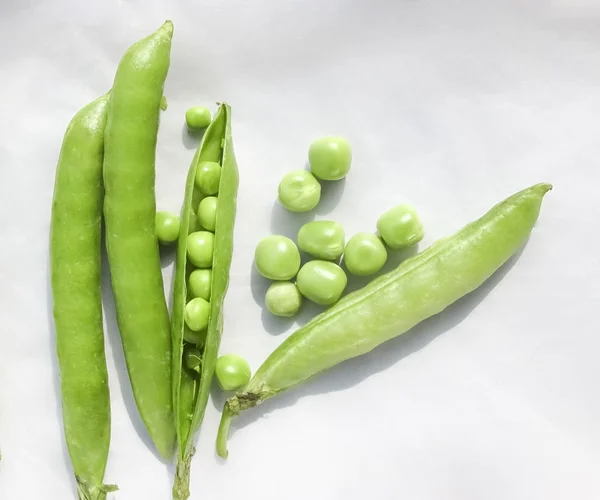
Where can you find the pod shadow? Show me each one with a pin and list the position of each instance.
(353, 371)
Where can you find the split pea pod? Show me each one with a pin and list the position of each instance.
(191, 383)
(392, 304)
(131, 243)
(75, 240)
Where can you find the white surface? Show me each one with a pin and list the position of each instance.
(452, 105)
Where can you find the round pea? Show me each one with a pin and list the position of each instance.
(208, 177)
(167, 227)
(321, 281)
(200, 246)
(232, 371)
(283, 299)
(365, 254)
(199, 283)
(299, 191)
(323, 239)
(207, 213)
(277, 258)
(196, 314)
(400, 227)
(198, 117)
(192, 358)
(192, 337)
(330, 158)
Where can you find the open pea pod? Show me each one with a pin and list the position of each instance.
(191, 387)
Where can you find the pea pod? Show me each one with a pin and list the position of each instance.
(390, 305)
(191, 389)
(75, 239)
(131, 243)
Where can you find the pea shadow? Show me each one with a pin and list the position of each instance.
(56, 379)
(353, 371)
(167, 255)
(331, 194)
(191, 138)
(114, 339)
(288, 223)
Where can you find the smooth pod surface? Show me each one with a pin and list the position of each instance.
(131, 243)
(75, 266)
(392, 304)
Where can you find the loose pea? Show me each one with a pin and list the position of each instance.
(196, 314)
(208, 177)
(207, 213)
(400, 227)
(199, 283)
(299, 191)
(277, 258)
(321, 281)
(232, 371)
(365, 254)
(200, 246)
(197, 117)
(330, 158)
(322, 239)
(283, 299)
(167, 227)
(192, 358)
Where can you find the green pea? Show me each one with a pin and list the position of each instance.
(365, 254)
(400, 227)
(322, 282)
(299, 191)
(207, 213)
(208, 177)
(277, 258)
(330, 158)
(323, 239)
(167, 227)
(232, 371)
(192, 358)
(192, 337)
(196, 314)
(283, 299)
(199, 283)
(197, 117)
(200, 246)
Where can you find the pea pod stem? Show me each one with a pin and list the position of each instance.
(392, 304)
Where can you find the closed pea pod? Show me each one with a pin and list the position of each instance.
(390, 305)
(131, 243)
(75, 241)
(190, 388)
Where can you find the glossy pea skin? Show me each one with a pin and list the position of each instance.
(208, 177)
(323, 239)
(392, 304)
(207, 213)
(200, 248)
(321, 281)
(75, 266)
(364, 254)
(232, 371)
(197, 117)
(330, 158)
(196, 314)
(283, 299)
(199, 283)
(192, 358)
(131, 244)
(167, 227)
(299, 191)
(277, 257)
(400, 227)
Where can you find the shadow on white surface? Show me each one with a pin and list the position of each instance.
(354, 371)
(191, 138)
(288, 223)
(331, 194)
(56, 378)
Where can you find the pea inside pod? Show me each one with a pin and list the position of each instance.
(202, 261)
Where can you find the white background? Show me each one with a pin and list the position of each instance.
(451, 105)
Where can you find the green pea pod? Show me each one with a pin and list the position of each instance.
(392, 304)
(75, 240)
(190, 389)
(131, 243)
